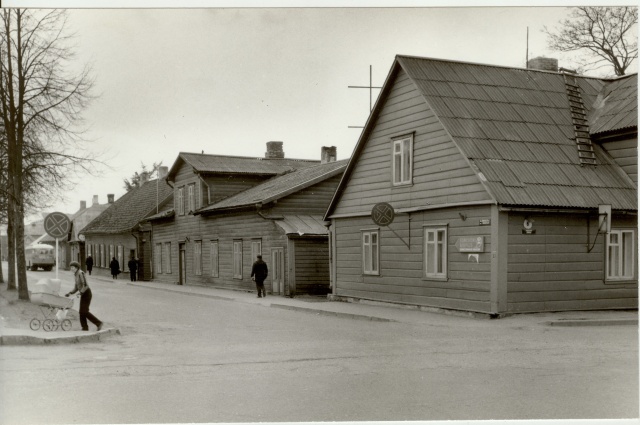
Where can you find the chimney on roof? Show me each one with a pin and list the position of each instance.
(274, 150)
(162, 172)
(144, 177)
(83, 205)
(110, 198)
(95, 200)
(328, 154)
(543, 64)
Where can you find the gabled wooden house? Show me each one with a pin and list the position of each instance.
(244, 207)
(117, 231)
(85, 215)
(491, 189)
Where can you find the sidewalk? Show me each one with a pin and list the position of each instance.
(362, 310)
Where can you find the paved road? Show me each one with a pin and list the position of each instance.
(187, 359)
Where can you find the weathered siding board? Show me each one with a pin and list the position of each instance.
(312, 265)
(441, 174)
(223, 186)
(553, 270)
(313, 200)
(625, 153)
(401, 269)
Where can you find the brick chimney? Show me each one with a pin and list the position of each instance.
(162, 172)
(328, 154)
(274, 150)
(543, 64)
(83, 205)
(95, 200)
(110, 198)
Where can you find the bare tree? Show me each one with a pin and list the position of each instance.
(138, 178)
(41, 101)
(607, 34)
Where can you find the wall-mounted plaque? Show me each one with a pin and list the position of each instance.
(470, 244)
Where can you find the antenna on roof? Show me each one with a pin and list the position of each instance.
(370, 87)
(526, 63)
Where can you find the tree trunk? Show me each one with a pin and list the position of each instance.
(1, 272)
(11, 239)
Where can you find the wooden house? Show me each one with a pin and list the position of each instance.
(75, 245)
(117, 231)
(227, 210)
(491, 189)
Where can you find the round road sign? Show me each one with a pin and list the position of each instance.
(57, 225)
(382, 214)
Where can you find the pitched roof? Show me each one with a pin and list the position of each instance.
(205, 163)
(302, 225)
(514, 126)
(616, 107)
(128, 210)
(279, 187)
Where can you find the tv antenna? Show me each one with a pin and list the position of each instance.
(370, 87)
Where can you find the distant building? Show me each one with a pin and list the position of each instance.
(84, 216)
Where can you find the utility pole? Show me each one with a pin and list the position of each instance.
(370, 87)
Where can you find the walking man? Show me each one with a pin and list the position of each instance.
(259, 273)
(133, 269)
(89, 263)
(85, 297)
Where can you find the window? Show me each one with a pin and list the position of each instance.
(198, 195)
(403, 161)
(237, 259)
(256, 249)
(111, 254)
(166, 257)
(197, 255)
(620, 254)
(120, 257)
(180, 201)
(435, 252)
(370, 252)
(191, 198)
(89, 250)
(157, 252)
(215, 271)
(103, 254)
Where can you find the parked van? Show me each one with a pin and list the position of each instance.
(40, 255)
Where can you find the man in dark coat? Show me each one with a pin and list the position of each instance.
(115, 267)
(133, 268)
(89, 263)
(259, 273)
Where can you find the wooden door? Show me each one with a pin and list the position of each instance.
(183, 264)
(277, 270)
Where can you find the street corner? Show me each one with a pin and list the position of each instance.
(21, 337)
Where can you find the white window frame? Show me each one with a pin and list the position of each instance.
(180, 200)
(197, 258)
(622, 252)
(256, 248)
(402, 157)
(191, 197)
(157, 257)
(237, 259)
(120, 257)
(371, 252)
(111, 253)
(439, 247)
(166, 260)
(214, 259)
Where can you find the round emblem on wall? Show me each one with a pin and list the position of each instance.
(382, 214)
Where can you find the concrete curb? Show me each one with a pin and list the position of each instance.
(52, 340)
(592, 322)
(332, 313)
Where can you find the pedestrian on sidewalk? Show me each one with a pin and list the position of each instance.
(89, 263)
(85, 298)
(114, 265)
(133, 268)
(259, 272)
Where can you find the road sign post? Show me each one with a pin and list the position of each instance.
(57, 225)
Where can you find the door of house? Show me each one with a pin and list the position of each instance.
(277, 270)
(183, 264)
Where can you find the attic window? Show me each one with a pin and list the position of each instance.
(402, 162)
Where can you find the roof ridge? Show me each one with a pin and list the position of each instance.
(259, 158)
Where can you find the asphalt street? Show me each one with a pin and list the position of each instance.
(184, 359)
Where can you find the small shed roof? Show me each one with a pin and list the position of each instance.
(616, 106)
(303, 225)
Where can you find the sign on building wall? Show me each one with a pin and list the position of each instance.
(470, 244)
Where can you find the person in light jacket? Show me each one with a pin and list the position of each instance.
(85, 298)
(259, 273)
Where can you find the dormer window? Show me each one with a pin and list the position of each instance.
(403, 161)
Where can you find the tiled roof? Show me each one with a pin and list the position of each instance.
(205, 163)
(280, 186)
(515, 127)
(616, 107)
(127, 211)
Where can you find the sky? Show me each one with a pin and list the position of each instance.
(223, 80)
